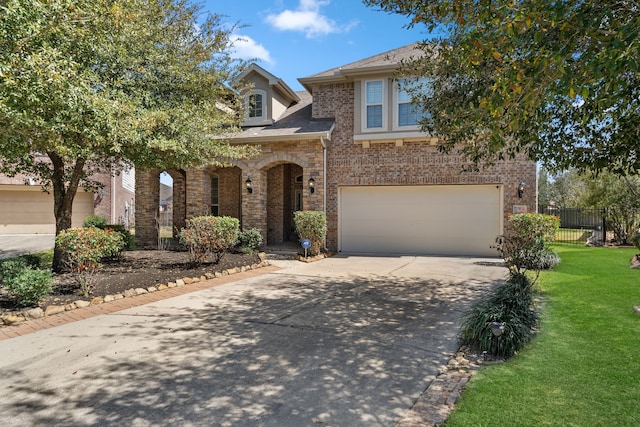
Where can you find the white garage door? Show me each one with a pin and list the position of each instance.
(27, 210)
(438, 219)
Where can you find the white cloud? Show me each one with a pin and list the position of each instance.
(247, 48)
(308, 19)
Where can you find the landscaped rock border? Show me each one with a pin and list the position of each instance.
(318, 257)
(14, 317)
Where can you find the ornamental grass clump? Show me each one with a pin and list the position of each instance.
(85, 248)
(511, 310)
(209, 235)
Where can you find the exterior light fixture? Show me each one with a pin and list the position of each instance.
(521, 189)
(249, 187)
(312, 185)
(497, 328)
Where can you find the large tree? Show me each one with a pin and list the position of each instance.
(557, 80)
(87, 85)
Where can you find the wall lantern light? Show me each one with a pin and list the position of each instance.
(312, 185)
(521, 189)
(249, 187)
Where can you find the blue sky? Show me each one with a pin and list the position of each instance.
(298, 38)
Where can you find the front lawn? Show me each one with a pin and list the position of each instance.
(583, 368)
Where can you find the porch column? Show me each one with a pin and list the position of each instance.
(197, 199)
(254, 204)
(179, 201)
(147, 208)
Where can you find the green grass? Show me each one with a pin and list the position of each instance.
(583, 368)
(572, 235)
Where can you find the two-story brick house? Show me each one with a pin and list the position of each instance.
(350, 146)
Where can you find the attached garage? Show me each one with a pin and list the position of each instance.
(433, 219)
(28, 210)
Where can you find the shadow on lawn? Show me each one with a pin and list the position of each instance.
(297, 352)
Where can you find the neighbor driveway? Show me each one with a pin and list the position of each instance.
(12, 245)
(346, 341)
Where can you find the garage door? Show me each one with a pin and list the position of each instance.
(27, 210)
(439, 219)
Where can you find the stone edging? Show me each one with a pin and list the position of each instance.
(16, 317)
(436, 403)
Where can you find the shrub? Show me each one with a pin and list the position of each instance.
(85, 248)
(524, 245)
(311, 225)
(206, 235)
(250, 240)
(128, 238)
(28, 285)
(96, 221)
(635, 240)
(535, 226)
(12, 266)
(512, 305)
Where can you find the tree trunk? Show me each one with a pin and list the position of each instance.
(64, 193)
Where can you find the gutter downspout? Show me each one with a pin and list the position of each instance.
(324, 183)
(113, 198)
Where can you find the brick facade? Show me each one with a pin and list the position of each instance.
(279, 174)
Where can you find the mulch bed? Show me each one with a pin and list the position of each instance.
(133, 269)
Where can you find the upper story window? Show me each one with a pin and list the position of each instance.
(408, 115)
(375, 110)
(256, 108)
(255, 105)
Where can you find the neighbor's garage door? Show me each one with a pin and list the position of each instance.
(438, 219)
(27, 210)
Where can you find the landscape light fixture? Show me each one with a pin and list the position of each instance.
(521, 190)
(312, 185)
(249, 187)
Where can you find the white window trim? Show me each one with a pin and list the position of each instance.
(261, 120)
(396, 105)
(385, 102)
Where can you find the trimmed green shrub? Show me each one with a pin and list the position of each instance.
(12, 266)
(205, 235)
(96, 221)
(512, 308)
(524, 245)
(85, 248)
(28, 285)
(128, 238)
(311, 225)
(250, 240)
(535, 226)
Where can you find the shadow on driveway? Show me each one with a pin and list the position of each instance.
(276, 350)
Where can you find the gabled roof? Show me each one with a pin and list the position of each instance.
(382, 62)
(275, 82)
(295, 123)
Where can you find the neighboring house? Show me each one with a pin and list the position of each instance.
(26, 209)
(350, 146)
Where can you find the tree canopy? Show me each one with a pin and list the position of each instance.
(86, 85)
(555, 80)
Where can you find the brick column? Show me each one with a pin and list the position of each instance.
(147, 207)
(179, 201)
(254, 205)
(197, 200)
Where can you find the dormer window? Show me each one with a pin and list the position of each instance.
(256, 104)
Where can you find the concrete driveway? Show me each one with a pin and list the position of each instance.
(12, 245)
(347, 341)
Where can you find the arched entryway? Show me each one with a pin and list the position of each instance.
(284, 197)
